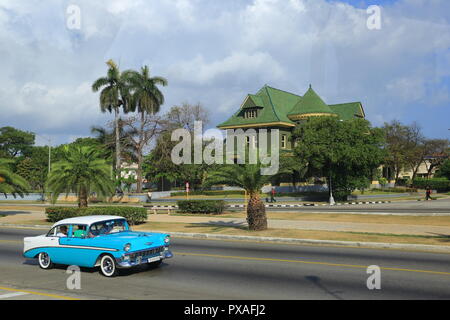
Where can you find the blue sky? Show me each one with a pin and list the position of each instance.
(216, 52)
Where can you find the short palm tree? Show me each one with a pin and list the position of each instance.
(114, 95)
(146, 99)
(81, 170)
(249, 178)
(11, 183)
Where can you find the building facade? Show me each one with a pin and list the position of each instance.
(272, 108)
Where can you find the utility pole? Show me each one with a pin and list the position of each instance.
(332, 202)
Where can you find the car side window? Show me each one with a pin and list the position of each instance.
(52, 233)
(59, 231)
(79, 231)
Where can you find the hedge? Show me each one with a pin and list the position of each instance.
(209, 193)
(201, 206)
(439, 184)
(132, 214)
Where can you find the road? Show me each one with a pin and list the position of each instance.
(205, 269)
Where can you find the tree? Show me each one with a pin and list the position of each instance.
(82, 170)
(147, 100)
(444, 170)
(14, 142)
(249, 178)
(106, 138)
(345, 152)
(10, 182)
(139, 133)
(115, 94)
(396, 146)
(437, 153)
(158, 164)
(35, 168)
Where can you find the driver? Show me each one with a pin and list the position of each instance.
(62, 232)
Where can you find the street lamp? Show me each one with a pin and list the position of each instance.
(332, 202)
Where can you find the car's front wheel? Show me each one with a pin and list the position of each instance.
(108, 266)
(44, 261)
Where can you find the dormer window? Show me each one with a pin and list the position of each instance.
(251, 113)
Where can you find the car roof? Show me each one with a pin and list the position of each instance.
(86, 220)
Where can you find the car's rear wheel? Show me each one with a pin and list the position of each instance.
(108, 266)
(44, 261)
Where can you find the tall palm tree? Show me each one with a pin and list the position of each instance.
(146, 99)
(11, 183)
(106, 138)
(249, 178)
(114, 95)
(81, 170)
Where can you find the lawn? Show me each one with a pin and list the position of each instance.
(298, 234)
(443, 221)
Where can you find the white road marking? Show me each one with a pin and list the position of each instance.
(12, 295)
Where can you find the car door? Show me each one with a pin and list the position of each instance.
(51, 244)
(78, 248)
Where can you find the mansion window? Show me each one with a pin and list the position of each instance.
(284, 141)
(251, 113)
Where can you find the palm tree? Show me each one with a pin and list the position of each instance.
(147, 99)
(11, 183)
(249, 178)
(115, 94)
(82, 170)
(106, 138)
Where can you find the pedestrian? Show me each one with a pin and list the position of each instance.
(149, 196)
(272, 195)
(428, 194)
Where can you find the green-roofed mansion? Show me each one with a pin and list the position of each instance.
(272, 108)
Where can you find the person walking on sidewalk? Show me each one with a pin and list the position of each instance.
(428, 194)
(272, 195)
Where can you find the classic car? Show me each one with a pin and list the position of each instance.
(97, 241)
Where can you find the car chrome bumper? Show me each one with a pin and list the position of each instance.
(121, 263)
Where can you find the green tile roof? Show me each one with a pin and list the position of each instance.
(275, 106)
(310, 103)
(347, 111)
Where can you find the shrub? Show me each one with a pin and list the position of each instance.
(439, 184)
(209, 193)
(132, 214)
(201, 206)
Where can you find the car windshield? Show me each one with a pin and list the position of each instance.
(107, 227)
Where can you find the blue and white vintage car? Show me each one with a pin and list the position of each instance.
(97, 241)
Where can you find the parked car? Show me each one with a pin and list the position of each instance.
(97, 241)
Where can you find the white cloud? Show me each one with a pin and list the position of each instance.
(216, 52)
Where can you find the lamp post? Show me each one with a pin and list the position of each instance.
(332, 202)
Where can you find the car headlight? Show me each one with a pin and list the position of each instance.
(167, 240)
(127, 247)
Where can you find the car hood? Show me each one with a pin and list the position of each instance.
(138, 240)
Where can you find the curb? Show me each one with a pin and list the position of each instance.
(371, 245)
(279, 205)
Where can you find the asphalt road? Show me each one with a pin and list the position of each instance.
(204, 269)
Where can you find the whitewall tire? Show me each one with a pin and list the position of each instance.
(44, 261)
(108, 266)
